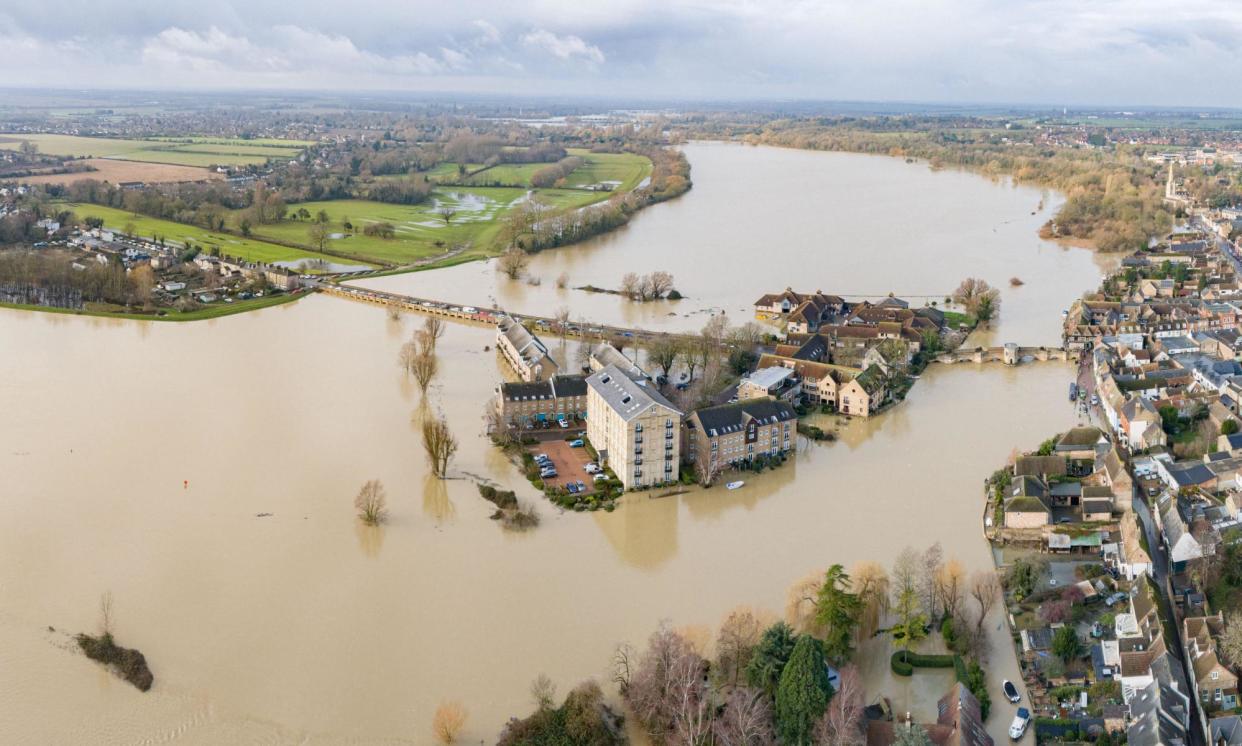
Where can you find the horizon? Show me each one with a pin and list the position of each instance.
(1058, 54)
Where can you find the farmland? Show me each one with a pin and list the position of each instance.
(623, 171)
(189, 151)
(245, 248)
(117, 171)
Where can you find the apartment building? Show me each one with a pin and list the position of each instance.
(717, 438)
(635, 430)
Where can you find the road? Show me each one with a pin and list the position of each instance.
(1160, 572)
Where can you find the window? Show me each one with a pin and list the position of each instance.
(668, 423)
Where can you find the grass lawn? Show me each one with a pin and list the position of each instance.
(246, 248)
(215, 310)
(177, 151)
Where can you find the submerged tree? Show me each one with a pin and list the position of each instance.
(439, 444)
(512, 263)
(372, 503)
(838, 611)
(448, 722)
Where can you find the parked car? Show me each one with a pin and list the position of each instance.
(581, 485)
(1011, 691)
(576, 443)
(590, 468)
(562, 424)
(572, 488)
(599, 476)
(541, 457)
(1018, 727)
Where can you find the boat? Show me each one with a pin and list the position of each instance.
(1011, 691)
(735, 485)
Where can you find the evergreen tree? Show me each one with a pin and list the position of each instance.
(768, 661)
(803, 693)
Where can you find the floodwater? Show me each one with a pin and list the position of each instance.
(760, 219)
(137, 458)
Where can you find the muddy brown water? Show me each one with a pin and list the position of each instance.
(760, 219)
(305, 627)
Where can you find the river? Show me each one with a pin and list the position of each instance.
(760, 219)
(141, 458)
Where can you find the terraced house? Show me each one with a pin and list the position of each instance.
(525, 353)
(635, 430)
(532, 405)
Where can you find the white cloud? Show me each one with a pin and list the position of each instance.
(488, 34)
(563, 47)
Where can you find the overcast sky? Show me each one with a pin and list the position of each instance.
(1023, 51)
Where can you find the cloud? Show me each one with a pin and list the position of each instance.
(1042, 51)
(564, 47)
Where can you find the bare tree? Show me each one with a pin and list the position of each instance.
(439, 444)
(661, 283)
(372, 503)
(800, 604)
(1231, 638)
(447, 214)
(423, 367)
(105, 614)
(433, 329)
(623, 657)
(739, 634)
(646, 288)
(631, 285)
(707, 469)
(318, 234)
(870, 582)
(448, 722)
(950, 585)
(668, 691)
(543, 692)
(406, 356)
(664, 351)
(512, 263)
(745, 720)
(985, 588)
(562, 280)
(977, 295)
(561, 321)
(932, 562)
(842, 723)
(394, 313)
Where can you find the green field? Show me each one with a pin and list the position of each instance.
(420, 227)
(178, 151)
(245, 248)
(626, 168)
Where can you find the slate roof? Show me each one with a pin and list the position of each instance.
(627, 397)
(730, 418)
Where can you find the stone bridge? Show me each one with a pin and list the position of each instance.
(490, 316)
(1010, 354)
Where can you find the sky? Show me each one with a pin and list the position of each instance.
(1056, 52)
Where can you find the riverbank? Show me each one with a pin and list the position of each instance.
(214, 311)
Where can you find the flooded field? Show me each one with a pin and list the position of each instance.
(760, 219)
(139, 457)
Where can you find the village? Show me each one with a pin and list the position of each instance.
(1120, 540)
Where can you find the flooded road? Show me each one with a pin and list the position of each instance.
(760, 219)
(304, 627)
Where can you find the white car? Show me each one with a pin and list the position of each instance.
(1018, 727)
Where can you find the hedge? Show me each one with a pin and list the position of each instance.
(903, 664)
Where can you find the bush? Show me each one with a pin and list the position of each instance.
(129, 664)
